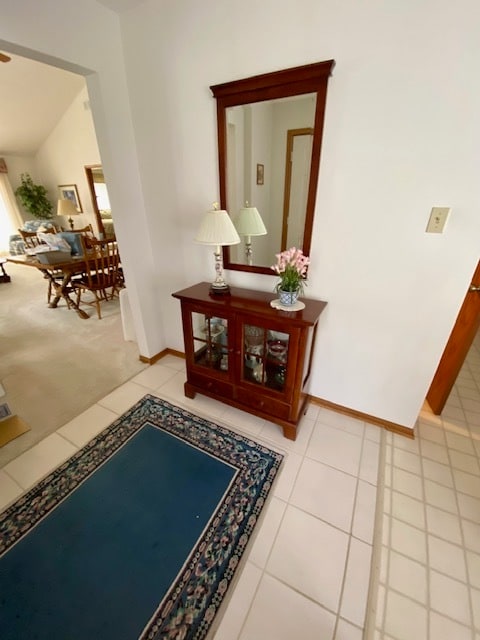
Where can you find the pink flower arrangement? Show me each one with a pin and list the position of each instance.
(292, 268)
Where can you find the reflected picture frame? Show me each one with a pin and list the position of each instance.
(70, 192)
(260, 173)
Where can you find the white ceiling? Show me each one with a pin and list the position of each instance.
(33, 97)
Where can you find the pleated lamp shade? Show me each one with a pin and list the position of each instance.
(217, 229)
(66, 207)
(249, 222)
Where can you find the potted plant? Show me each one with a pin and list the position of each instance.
(291, 266)
(34, 198)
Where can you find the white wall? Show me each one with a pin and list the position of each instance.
(400, 136)
(252, 145)
(17, 165)
(261, 153)
(62, 157)
(401, 121)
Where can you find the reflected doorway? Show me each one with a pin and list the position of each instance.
(100, 200)
(297, 177)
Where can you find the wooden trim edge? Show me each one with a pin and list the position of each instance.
(389, 426)
(359, 415)
(160, 355)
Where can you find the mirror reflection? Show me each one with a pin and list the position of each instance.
(100, 200)
(269, 148)
(269, 142)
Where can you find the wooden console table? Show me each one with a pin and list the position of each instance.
(247, 354)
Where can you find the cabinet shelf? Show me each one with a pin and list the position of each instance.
(241, 351)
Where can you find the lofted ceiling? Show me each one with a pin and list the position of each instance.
(33, 97)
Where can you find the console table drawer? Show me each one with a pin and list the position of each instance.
(264, 403)
(211, 385)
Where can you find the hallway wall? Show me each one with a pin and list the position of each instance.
(392, 148)
(396, 111)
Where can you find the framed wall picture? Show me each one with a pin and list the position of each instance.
(70, 192)
(260, 173)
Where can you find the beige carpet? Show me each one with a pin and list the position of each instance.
(53, 364)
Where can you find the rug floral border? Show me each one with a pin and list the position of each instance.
(189, 608)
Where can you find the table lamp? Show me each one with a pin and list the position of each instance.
(217, 229)
(249, 223)
(66, 207)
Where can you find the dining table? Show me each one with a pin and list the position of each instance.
(4, 277)
(62, 285)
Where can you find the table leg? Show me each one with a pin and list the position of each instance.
(4, 277)
(61, 291)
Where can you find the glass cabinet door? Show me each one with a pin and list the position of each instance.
(210, 341)
(265, 356)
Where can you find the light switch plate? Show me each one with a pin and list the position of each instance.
(438, 219)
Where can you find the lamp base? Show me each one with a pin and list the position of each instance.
(219, 289)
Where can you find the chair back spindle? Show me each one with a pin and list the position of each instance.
(103, 276)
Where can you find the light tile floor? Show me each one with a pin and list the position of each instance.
(428, 561)
(307, 572)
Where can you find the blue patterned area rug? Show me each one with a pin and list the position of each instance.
(136, 536)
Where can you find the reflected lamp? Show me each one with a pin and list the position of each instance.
(217, 229)
(249, 223)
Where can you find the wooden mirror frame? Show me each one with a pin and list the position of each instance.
(311, 78)
(91, 186)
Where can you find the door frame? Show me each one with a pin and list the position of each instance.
(91, 186)
(456, 349)
(291, 134)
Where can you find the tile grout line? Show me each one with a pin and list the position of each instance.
(374, 583)
(350, 534)
(451, 468)
(465, 557)
(263, 569)
(389, 538)
(388, 518)
(427, 547)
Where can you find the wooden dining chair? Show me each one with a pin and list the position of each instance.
(31, 239)
(102, 275)
(76, 249)
(87, 229)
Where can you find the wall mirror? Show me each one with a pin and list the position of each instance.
(100, 200)
(269, 141)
